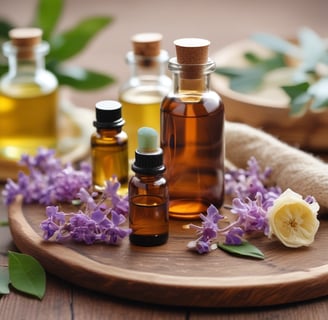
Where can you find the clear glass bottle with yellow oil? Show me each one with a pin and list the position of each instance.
(192, 133)
(28, 96)
(109, 146)
(142, 94)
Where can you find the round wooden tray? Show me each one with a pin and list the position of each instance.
(172, 275)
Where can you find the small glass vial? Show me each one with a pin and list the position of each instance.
(28, 96)
(192, 133)
(148, 193)
(142, 94)
(109, 146)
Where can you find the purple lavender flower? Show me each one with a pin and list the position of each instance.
(248, 183)
(208, 231)
(48, 181)
(234, 236)
(92, 224)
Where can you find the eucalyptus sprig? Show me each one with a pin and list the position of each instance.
(65, 45)
(309, 86)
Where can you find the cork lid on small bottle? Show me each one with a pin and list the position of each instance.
(147, 44)
(25, 39)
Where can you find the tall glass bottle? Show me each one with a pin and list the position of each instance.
(148, 193)
(28, 96)
(192, 133)
(109, 146)
(142, 94)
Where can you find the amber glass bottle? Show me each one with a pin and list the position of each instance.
(148, 193)
(28, 96)
(192, 133)
(142, 94)
(109, 146)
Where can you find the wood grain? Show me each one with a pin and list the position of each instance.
(171, 275)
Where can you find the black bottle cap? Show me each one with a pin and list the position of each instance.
(108, 114)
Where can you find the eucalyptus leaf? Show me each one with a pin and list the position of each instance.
(319, 93)
(313, 49)
(277, 44)
(245, 249)
(81, 79)
(299, 97)
(47, 15)
(67, 44)
(4, 280)
(26, 274)
(250, 78)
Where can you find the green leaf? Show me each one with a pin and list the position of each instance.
(245, 249)
(313, 49)
(250, 78)
(319, 93)
(295, 90)
(26, 274)
(4, 223)
(5, 26)
(4, 280)
(276, 44)
(81, 79)
(252, 57)
(299, 97)
(47, 15)
(71, 42)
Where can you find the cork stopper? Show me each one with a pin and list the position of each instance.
(192, 50)
(25, 39)
(147, 44)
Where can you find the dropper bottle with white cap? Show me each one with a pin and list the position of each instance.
(148, 193)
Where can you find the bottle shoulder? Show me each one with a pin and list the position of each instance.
(25, 84)
(182, 101)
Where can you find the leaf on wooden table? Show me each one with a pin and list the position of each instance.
(4, 280)
(26, 274)
(245, 249)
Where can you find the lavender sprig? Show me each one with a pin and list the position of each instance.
(48, 181)
(95, 221)
(252, 198)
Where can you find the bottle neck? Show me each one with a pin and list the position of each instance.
(191, 78)
(109, 132)
(25, 60)
(147, 67)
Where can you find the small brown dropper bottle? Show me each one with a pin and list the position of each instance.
(148, 193)
(109, 146)
(192, 139)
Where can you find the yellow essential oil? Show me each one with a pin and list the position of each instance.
(28, 97)
(109, 146)
(142, 94)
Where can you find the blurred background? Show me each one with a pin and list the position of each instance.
(220, 21)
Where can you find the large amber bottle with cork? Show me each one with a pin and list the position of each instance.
(192, 133)
(142, 94)
(28, 96)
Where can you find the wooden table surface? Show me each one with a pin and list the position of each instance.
(222, 22)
